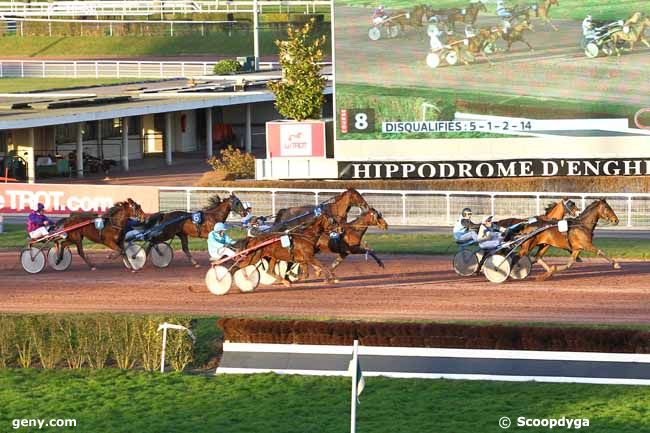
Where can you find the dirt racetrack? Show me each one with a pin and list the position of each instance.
(410, 287)
(557, 68)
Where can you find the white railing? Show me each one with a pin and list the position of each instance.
(147, 8)
(439, 208)
(108, 69)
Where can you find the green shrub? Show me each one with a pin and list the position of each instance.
(299, 94)
(7, 340)
(227, 66)
(236, 164)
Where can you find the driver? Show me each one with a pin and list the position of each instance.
(465, 230)
(434, 35)
(38, 225)
(588, 30)
(219, 243)
(379, 15)
(490, 235)
(505, 15)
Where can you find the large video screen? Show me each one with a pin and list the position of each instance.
(454, 69)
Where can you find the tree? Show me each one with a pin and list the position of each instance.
(299, 94)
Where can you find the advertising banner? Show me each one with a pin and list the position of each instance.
(63, 199)
(461, 69)
(295, 139)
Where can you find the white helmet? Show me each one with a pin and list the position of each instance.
(247, 205)
(588, 18)
(487, 219)
(381, 7)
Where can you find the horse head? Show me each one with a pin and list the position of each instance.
(355, 198)
(480, 5)
(236, 205)
(134, 210)
(375, 218)
(606, 212)
(570, 207)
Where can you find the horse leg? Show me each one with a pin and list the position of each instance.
(329, 276)
(278, 278)
(80, 251)
(530, 47)
(593, 249)
(548, 20)
(186, 249)
(338, 261)
(570, 263)
(550, 270)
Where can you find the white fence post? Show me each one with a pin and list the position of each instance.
(161, 70)
(43, 68)
(22, 69)
(492, 205)
(205, 68)
(629, 211)
(118, 69)
(403, 209)
(139, 70)
(448, 199)
(188, 200)
(316, 198)
(538, 205)
(74, 68)
(273, 202)
(183, 69)
(96, 69)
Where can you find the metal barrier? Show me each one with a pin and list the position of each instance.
(436, 208)
(147, 8)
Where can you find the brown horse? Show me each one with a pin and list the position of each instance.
(633, 31)
(350, 237)
(476, 45)
(554, 211)
(181, 225)
(302, 251)
(114, 222)
(516, 34)
(337, 208)
(451, 16)
(578, 238)
(411, 17)
(541, 11)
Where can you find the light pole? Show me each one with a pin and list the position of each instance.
(256, 36)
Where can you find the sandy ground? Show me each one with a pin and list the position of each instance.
(410, 287)
(557, 68)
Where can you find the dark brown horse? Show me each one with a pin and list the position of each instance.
(516, 34)
(411, 17)
(181, 225)
(554, 211)
(337, 208)
(114, 222)
(578, 238)
(541, 10)
(451, 16)
(350, 236)
(302, 251)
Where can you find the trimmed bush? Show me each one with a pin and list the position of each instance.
(440, 335)
(226, 67)
(235, 163)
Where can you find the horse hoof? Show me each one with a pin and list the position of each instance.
(617, 266)
(196, 265)
(286, 283)
(93, 268)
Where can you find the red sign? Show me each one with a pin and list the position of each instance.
(295, 139)
(63, 199)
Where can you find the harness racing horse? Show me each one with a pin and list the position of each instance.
(350, 237)
(578, 237)
(554, 211)
(302, 251)
(110, 235)
(484, 40)
(336, 207)
(412, 17)
(541, 11)
(516, 34)
(633, 31)
(451, 16)
(216, 211)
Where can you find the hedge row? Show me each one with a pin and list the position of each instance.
(97, 341)
(592, 184)
(437, 335)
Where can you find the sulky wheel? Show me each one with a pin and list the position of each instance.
(451, 58)
(607, 49)
(374, 34)
(496, 268)
(281, 268)
(592, 50)
(161, 255)
(247, 278)
(53, 255)
(521, 267)
(218, 280)
(33, 260)
(134, 257)
(465, 263)
(433, 60)
(393, 31)
(266, 278)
